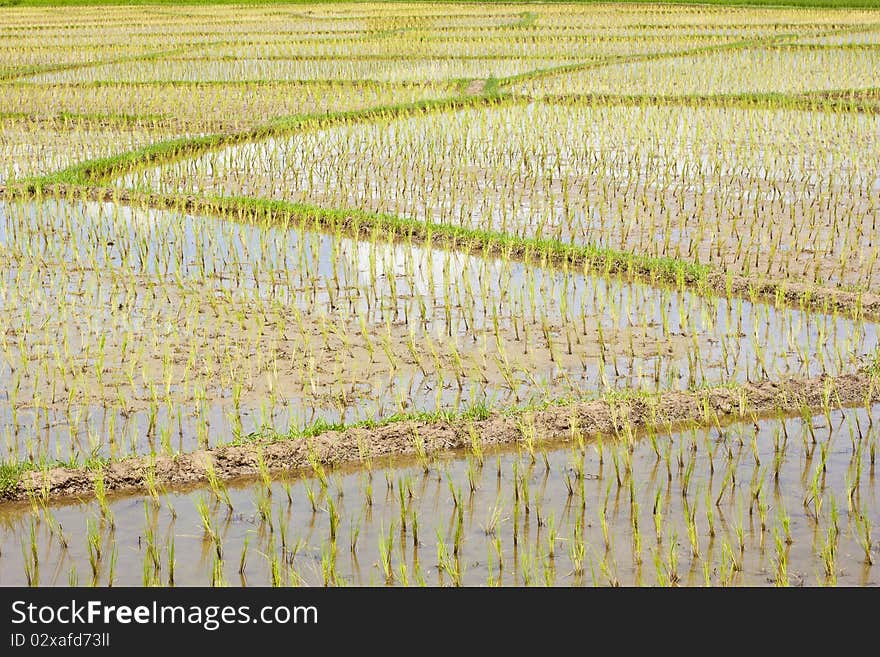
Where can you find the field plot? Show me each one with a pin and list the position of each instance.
(14, 56)
(507, 43)
(206, 107)
(866, 38)
(35, 145)
(238, 328)
(426, 294)
(378, 69)
(752, 70)
(700, 18)
(785, 502)
(748, 190)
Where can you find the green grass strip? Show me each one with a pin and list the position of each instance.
(361, 223)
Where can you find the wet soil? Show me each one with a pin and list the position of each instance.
(611, 416)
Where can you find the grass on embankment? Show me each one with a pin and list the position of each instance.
(616, 414)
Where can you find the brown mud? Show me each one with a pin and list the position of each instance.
(610, 416)
(320, 360)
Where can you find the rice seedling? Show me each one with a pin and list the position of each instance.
(218, 488)
(265, 476)
(312, 500)
(94, 544)
(31, 558)
(828, 553)
(657, 514)
(785, 525)
(739, 530)
(328, 564)
(693, 532)
(863, 525)
(333, 515)
(386, 545)
(101, 497)
(208, 526)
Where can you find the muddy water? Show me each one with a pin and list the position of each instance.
(522, 518)
(127, 331)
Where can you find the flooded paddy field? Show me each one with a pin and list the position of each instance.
(137, 331)
(402, 294)
(755, 192)
(780, 501)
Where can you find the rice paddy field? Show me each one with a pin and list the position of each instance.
(450, 295)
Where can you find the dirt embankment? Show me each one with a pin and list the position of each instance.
(792, 293)
(609, 417)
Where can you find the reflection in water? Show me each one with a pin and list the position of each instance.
(753, 192)
(729, 507)
(131, 331)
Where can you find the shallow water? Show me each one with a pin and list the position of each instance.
(500, 542)
(756, 192)
(128, 331)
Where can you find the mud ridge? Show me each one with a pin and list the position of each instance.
(614, 416)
